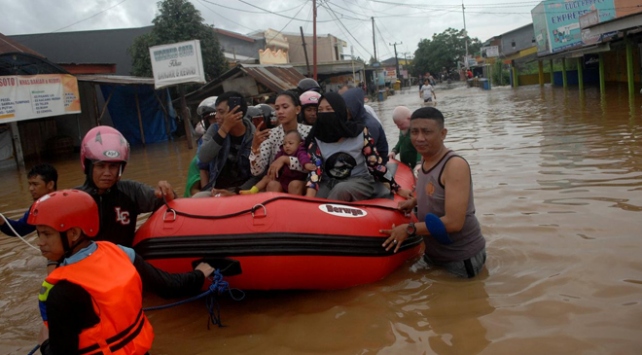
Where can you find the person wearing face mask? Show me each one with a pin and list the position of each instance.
(266, 143)
(346, 159)
(104, 153)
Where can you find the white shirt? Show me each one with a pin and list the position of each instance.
(427, 91)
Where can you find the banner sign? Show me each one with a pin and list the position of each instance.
(177, 63)
(556, 23)
(25, 97)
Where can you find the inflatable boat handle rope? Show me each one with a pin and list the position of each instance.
(263, 204)
(6, 221)
(217, 287)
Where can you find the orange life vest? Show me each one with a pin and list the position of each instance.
(116, 290)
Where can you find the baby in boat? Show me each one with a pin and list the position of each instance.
(287, 180)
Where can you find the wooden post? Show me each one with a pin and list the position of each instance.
(630, 75)
(602, 78)
(140, 119)
(552, 72)
(96, 112)
(186, 119)
(105, 107)
(515, 78)
(564, 82)
(17, 144)
(580, 74)
(165, 114)
(540, 67)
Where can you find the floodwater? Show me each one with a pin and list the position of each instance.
(558, 189)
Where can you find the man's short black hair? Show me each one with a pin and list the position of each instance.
(46, 171)
(430, 113)
(226, 96)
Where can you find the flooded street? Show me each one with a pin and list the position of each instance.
(558, 189)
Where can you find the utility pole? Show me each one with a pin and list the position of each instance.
(354, 76)
(314, 38)
(374, 47)
(374, 42)
(396, 58)
(305, 50)
(465, 34)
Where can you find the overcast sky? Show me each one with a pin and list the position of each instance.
(400, 21)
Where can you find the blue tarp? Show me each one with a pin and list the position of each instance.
(124, 114)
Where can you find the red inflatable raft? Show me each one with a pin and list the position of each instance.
(281, 241)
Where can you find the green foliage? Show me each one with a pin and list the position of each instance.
(178, 21)
(501, 74)
(443, 51)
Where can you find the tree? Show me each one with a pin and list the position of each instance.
(178, 21)
(443, 51)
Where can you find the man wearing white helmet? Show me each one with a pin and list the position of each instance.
(104, 153)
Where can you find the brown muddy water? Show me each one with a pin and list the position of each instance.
(558, 188)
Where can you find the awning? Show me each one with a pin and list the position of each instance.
(598, 48)
(116, 79)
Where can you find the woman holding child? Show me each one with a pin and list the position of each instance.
(266, 143)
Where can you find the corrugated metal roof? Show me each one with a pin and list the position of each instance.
(116, 79)
(276, 78)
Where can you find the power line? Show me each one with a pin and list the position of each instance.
(278, 14)
(286, 25)
(85, 19)
(223, 17)
(327, 6)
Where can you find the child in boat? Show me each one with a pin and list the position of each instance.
(288, 180)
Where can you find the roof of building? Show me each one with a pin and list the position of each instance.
(276, 78)
(17, 59)
(100, 46)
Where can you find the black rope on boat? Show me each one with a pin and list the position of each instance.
(262, 204)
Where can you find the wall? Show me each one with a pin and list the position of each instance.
(239, 46)
(326, 49)
(615, 64)
(523, 38)
(532, 79)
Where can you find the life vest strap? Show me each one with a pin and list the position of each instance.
(121, 339)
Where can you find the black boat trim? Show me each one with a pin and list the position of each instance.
(266, 244)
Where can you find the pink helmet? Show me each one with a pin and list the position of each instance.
(103, 143)
(309, 98)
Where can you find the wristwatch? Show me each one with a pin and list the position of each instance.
(411, 230)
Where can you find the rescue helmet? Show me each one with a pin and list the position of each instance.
(310, 98)
(308, 84)
(103, 143)
(66, 209)
(206, 106)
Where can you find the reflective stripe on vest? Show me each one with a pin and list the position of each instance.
(115, 287)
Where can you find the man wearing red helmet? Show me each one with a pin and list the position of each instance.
(85, 308)
(104, 152)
